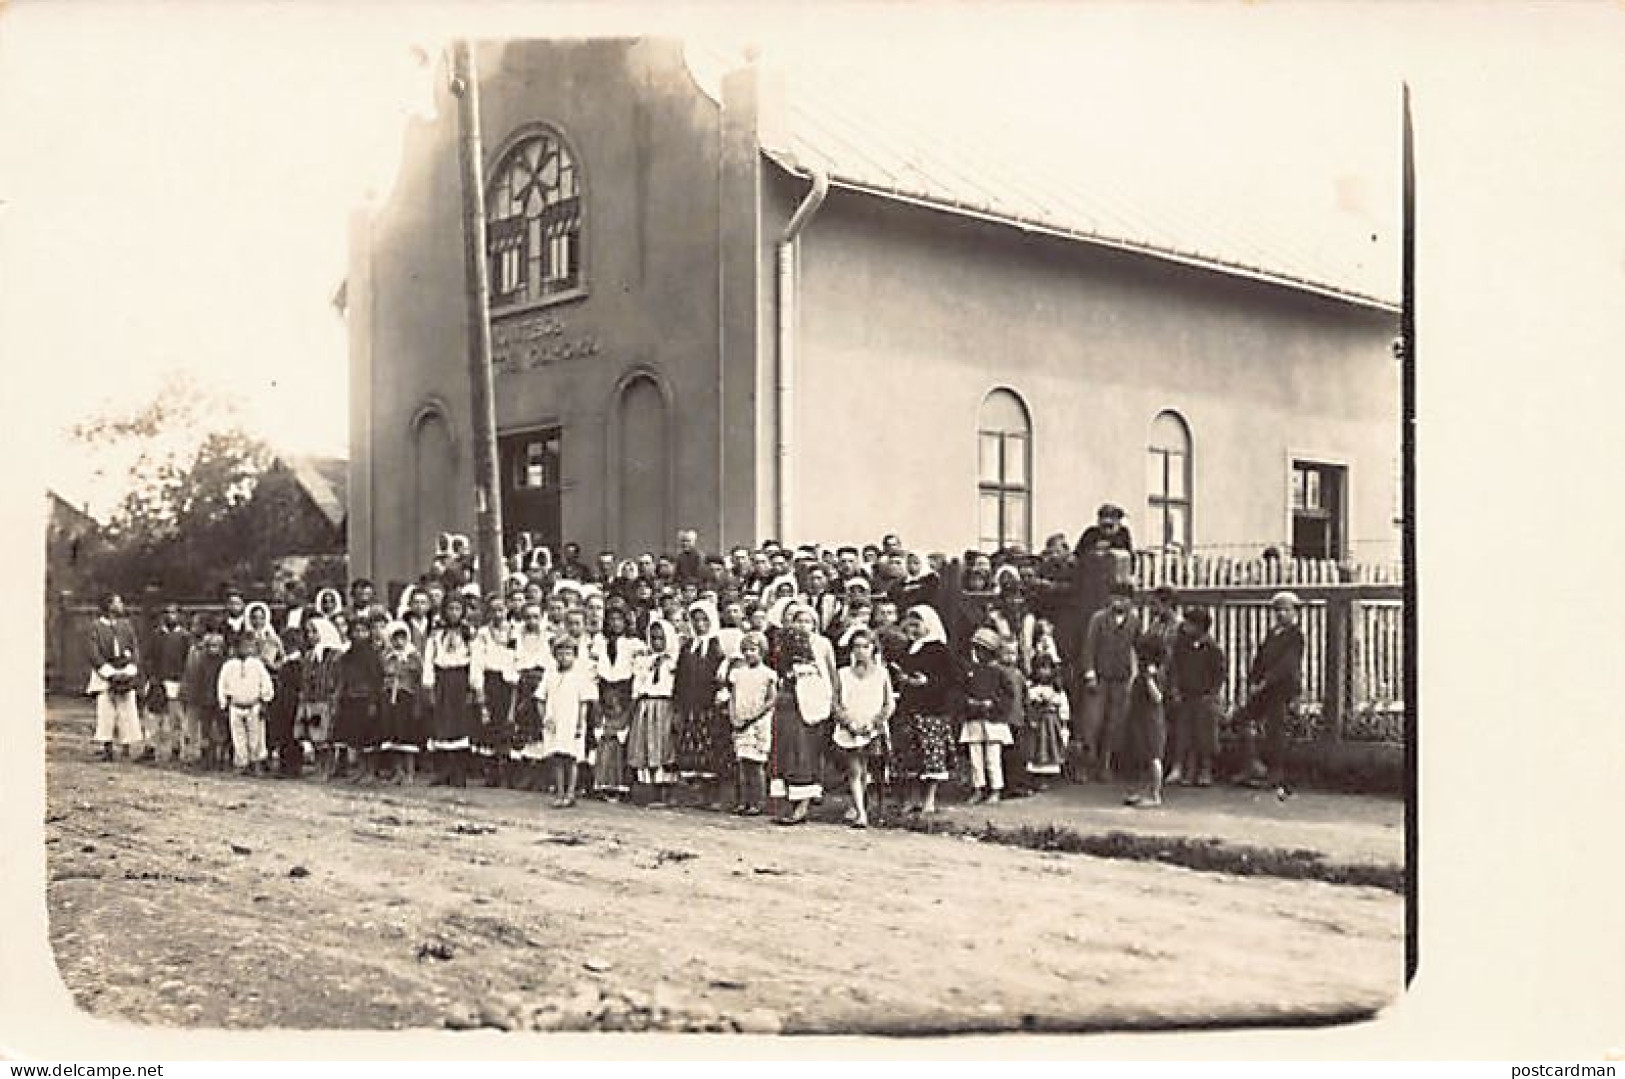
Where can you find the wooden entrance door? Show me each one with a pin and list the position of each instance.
(531, 471)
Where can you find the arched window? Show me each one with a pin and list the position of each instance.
(1004, 488)
(1168, 482)
(533, 222)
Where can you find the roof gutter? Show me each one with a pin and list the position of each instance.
(786, 359)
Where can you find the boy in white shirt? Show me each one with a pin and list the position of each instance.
(244, 689)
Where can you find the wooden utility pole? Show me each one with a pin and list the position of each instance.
(1407, 344)
(482, 411)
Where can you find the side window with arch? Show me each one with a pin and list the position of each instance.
(533, 221)
(1168, 481)
(1004, 469)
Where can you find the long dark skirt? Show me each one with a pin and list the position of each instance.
(704, 742)
(402, 725)
(453, 724)
(357, 724)
(798, 751)
(609, 762)
(921, 746)
(527, 715)
(496, 733)
(284, 706)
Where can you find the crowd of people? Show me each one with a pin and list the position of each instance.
(751, 677)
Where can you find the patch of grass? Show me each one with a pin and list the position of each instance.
(1203, 855)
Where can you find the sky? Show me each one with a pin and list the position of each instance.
(178, 177)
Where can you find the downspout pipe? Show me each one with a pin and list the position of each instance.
(786, 380)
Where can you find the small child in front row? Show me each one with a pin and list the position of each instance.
(401, 732)
(1012, 708)
(244, 689)
(984, 732)
(1049, 715)
(753, 687)
(566, 697)
(204, 728)
(1147, 731)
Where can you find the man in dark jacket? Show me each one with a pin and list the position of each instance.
(1107, 665)
(170, 644)
(115, 670)
(1274, 681)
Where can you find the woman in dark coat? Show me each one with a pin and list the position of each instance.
(703, 733)
(931, 699)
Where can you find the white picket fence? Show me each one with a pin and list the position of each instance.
(1154, 568)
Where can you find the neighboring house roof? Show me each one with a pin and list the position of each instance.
(862, 145)
(64, 514)
(326, 480)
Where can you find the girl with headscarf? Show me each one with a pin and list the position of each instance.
(273, 653)
(704, 734)
(805, 663)
(650, 751)
(450, 675)
(1011, 615)
(931, 698)
(613, 653)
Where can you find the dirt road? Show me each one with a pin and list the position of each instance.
(227, 902)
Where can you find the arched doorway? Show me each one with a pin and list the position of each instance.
(645, 466)
(432, 477)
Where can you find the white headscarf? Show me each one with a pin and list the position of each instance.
(933, 627)
(710, 610)
(672, 640)
(338, 602)
(775, 613)
(327, 634)
(787, 580)
(248, 614)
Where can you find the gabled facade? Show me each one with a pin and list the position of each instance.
(910, 363)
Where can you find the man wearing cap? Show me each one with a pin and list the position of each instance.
(1108, 665)
(1098, 560)
(1274, 681)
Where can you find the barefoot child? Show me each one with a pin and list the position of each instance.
(566, 698)
(753, 687)
(1147, 733)
(865, 704)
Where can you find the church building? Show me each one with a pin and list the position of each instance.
(720, 304)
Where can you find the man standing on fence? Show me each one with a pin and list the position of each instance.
(1274, 681)
(114, 671)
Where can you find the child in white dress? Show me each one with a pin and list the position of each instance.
(864, 704)
(566, 696)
